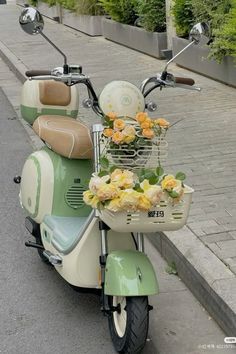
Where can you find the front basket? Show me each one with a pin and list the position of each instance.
(165, 217)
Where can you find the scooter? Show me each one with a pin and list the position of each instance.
(87, 249)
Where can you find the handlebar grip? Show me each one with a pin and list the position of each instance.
(31, 73)
(184, 80)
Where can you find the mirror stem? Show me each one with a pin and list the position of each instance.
(64, 56)
(164, 73)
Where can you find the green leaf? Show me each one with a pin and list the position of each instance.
(104, 162)
(173, 194)
(137, 188)
(153, 180)
(172, 269)
(180, 176)
(159, 171)
(113, 168)
(102, 173)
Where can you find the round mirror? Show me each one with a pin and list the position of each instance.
(199, 30)
(31, 21)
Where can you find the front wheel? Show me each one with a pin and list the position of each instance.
(129, 325)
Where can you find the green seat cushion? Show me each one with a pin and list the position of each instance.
(67, 231)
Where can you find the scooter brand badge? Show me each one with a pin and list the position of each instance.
(126, 100)
(156, 214)
(230, 340)
(139, 273)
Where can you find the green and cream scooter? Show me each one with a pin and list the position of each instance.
(84, 250)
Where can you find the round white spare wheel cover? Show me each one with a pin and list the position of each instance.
(122, 98)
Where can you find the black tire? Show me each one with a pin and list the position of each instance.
(133, 340)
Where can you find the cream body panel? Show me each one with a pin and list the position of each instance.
(30, 97)
(37, 188)
(122, 98)
(81, 266)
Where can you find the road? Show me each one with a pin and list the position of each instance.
(40, 313)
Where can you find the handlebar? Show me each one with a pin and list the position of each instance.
(31, 73)
(184, 81)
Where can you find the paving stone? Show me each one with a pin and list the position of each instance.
(225, 236)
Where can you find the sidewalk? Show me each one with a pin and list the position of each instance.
(202, 145)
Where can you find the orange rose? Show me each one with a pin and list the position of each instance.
(111, 115)
(108, 132)
(148, 133)
(117, 137)
(119, 124)
(141, 117)
(147, 124)
(162, 123)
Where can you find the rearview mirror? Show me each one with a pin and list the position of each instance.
(31, 21)
(199, 30)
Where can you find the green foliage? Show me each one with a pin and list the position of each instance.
(152, 14)
(183, 16)
(81, 7)
(88, 7)
(120, 10)
(225, 36)
(219, 14)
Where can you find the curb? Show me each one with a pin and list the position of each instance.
(197, 266)
(202, 272)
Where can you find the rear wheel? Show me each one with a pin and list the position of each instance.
(129, 325)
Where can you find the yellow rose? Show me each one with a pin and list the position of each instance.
(144, 204)
(90, 199)
(122, 179)
(147, 124)
(108, 132)
(153, 193)
(114, 205)
(129, 134)
(96, 182)
(119, 124)
(117, 138)
(129, 139)
(141, 117)
(148, 133)
(129, 130)
(162, 123)
(169, 183)
(87, 197)
(111, 116)
(107, 192)
(129, 200)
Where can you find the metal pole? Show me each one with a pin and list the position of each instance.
(140, 239)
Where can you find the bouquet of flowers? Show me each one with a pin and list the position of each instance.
(134, 143)
(122, 190)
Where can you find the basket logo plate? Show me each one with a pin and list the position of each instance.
(156, 214)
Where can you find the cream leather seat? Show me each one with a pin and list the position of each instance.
(65, 136)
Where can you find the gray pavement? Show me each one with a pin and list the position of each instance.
(202, 145)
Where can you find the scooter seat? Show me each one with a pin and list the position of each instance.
(66, 136)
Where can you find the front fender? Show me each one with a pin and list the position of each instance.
(129, 273)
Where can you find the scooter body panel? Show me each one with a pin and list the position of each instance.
(80, 267)
(54, 185)
(130, 273)
(32, 107)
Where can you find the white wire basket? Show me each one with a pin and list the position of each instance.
(147, 155)
(166, 217)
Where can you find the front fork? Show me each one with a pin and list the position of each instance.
(106, 306)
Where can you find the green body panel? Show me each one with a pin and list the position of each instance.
(30, 114)
(69, 173)
(129, 273)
